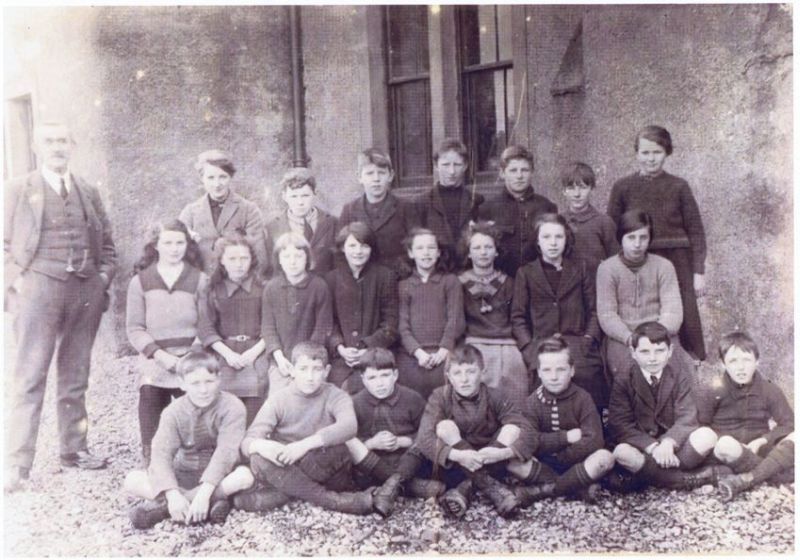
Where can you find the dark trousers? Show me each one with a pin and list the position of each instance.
(152, 402)
(52, 313)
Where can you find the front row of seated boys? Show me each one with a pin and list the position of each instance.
(311, 441)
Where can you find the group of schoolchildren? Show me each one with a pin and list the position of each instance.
(436, 347)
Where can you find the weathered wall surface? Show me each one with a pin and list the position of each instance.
(158, 86)
(335, 60)
(719, 78)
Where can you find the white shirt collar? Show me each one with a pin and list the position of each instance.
(649, 376)
(54, 179)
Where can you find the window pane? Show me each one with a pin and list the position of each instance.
(408, 40)
(412, 138)
(490, 115)
(19, 125)
(485, 34)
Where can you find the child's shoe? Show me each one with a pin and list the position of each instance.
(501, 496)
(526, 495)
(259, 499)
(589, 494)
(149, 513)
(456, 500)
(703, 476)
(733, 484)
(424, 488)
(385, 495)
(622, 482)
(219, 511)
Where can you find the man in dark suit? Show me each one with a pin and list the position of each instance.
(59, 261)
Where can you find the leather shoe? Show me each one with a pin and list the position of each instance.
(14, 479)
(83, 460)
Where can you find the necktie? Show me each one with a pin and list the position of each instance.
(654, 381)
(308, 232)
(63, 192)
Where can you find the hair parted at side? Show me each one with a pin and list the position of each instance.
(654, 331)
(657, 134)
(464, 354)
(577, 173)
(551, 218)
(360, 231)
(217, 158)
(197, 359)
(150, 254)
(631, 221)
(515, 151)
(376, 358)
(741, 340)
(554, 345)
(374, 156)
(297, 178)
(310, 350)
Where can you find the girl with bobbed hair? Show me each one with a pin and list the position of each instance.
(635, 287)
(162, 313)
(554, 295)
(365, 304)
(679, 234)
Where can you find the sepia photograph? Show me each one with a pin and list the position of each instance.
(405, 279)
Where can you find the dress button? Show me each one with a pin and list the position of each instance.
(355, 333)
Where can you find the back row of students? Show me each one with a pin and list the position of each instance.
(312, 441)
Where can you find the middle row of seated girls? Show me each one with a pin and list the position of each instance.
(253, 325)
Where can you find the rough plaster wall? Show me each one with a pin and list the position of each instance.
(719, 78)
(555, 123)
(177, 81)
(336, 77)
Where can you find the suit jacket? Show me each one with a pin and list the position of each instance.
(238, 214)
(24, 207)
(636, 417)
(322, 242)
(538, 311)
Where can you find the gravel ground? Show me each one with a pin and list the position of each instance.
(78, 513)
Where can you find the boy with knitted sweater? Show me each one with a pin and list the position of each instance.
(738, 405)
(468, 430)
(570, 456)
(296, 442)
(194, 451)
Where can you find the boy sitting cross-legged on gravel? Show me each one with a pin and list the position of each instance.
(296, 442)
(388, 418)
(195, 448)
(570, 456)
(468, 430)
(738, 405)
(653, 419)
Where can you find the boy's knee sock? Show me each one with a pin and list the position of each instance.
(408, 465)
(746, 462)
(572, 480)
(295, 483)
(540, 473)
(652, 473)
(690, 457)
(780, 458)
(376, 467)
